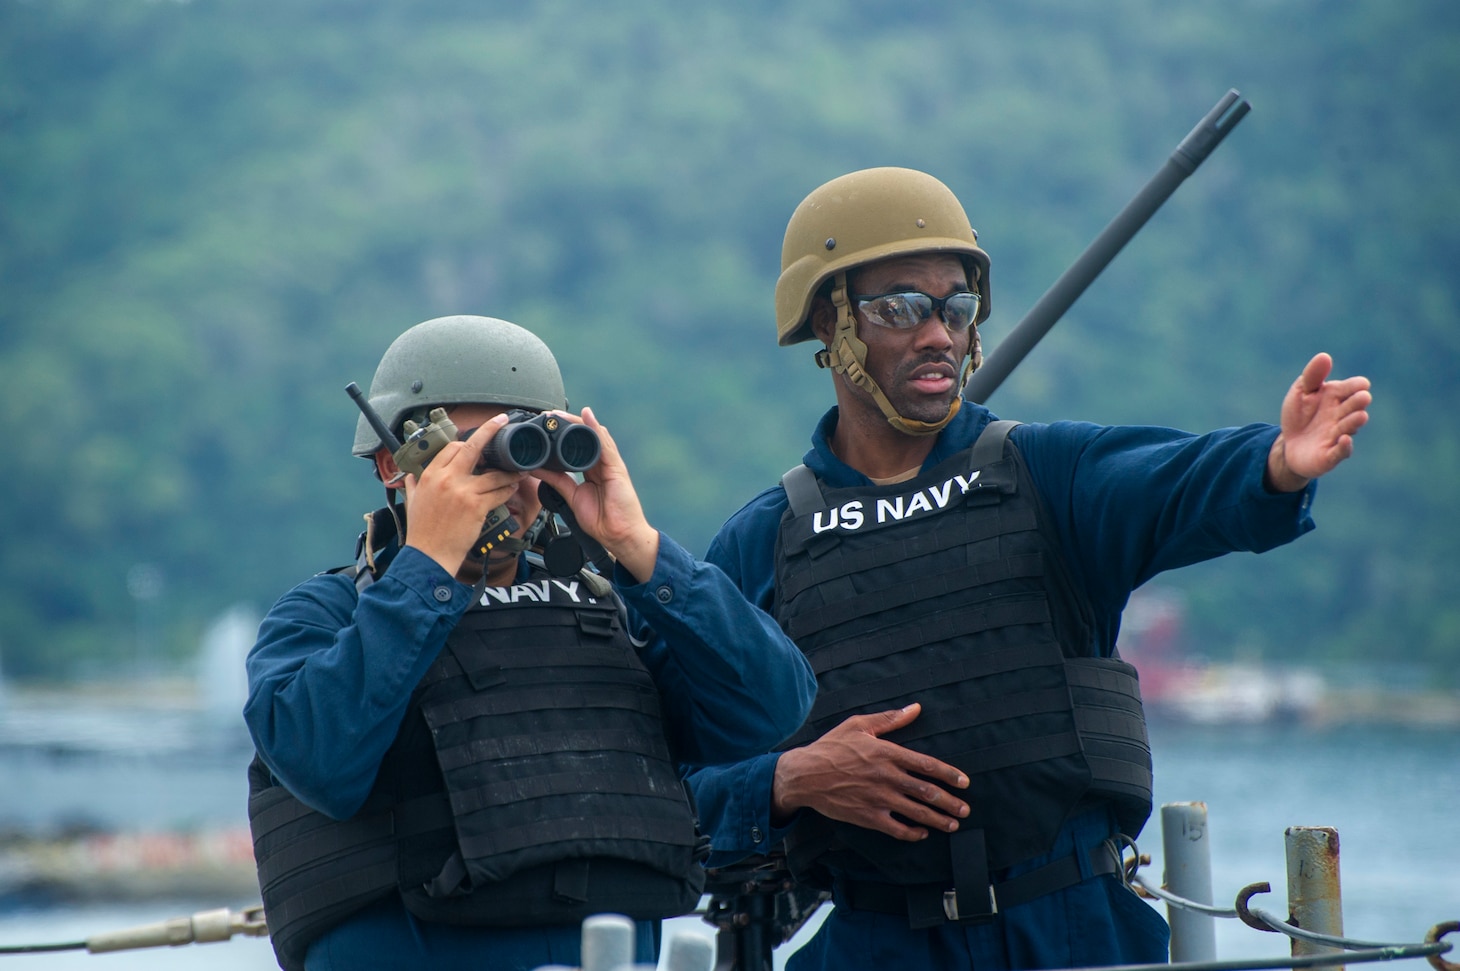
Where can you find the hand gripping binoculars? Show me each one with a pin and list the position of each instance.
(528, 441)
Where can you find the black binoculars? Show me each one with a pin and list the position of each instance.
(541, 441)
(528, 441)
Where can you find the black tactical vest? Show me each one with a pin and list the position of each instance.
(530, 784)
(950, 590)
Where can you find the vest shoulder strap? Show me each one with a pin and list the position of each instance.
(382, 526)
(802, 491)
(990, 445)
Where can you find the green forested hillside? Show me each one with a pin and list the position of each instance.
(214, 214)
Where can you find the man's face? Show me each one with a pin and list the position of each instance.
(917, 369)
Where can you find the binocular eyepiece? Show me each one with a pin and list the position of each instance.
(542, 441)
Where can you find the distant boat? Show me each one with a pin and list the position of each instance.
(90, 867)
(1239, 694)
(188, 713)
(1181, 688)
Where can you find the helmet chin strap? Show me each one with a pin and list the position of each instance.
(848, 355)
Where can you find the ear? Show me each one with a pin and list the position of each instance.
(823, 319)
(386, 468)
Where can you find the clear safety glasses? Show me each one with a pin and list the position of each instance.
(906, 310)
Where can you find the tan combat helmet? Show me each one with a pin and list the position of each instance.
(861, 218)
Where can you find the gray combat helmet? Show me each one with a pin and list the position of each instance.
(460, 360)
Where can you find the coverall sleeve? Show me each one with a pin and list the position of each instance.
(1133, 501)
(734, 803)
(733, 684)
(734, 800)
(332, 671)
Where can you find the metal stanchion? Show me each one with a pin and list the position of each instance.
(608, 942)
(1315, 901)
(1188, 875)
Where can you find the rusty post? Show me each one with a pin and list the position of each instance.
(1315, 901)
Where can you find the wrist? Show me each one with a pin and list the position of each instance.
(1278, 476)
(446, 559)
(783, 802)
(638, 552)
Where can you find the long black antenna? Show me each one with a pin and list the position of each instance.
(387, 437)
(1192, 151)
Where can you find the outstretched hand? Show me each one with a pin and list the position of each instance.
(1318, 422)
(853, 775)
(606, 505)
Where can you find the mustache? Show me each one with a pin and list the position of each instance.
(926, 359)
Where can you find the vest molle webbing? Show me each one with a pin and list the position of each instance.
(949, 590)
(531, 783)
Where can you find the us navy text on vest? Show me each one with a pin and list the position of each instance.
(851, 516)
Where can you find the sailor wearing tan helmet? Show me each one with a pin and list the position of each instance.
(976, 751)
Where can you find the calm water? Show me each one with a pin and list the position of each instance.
(1393, 796)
